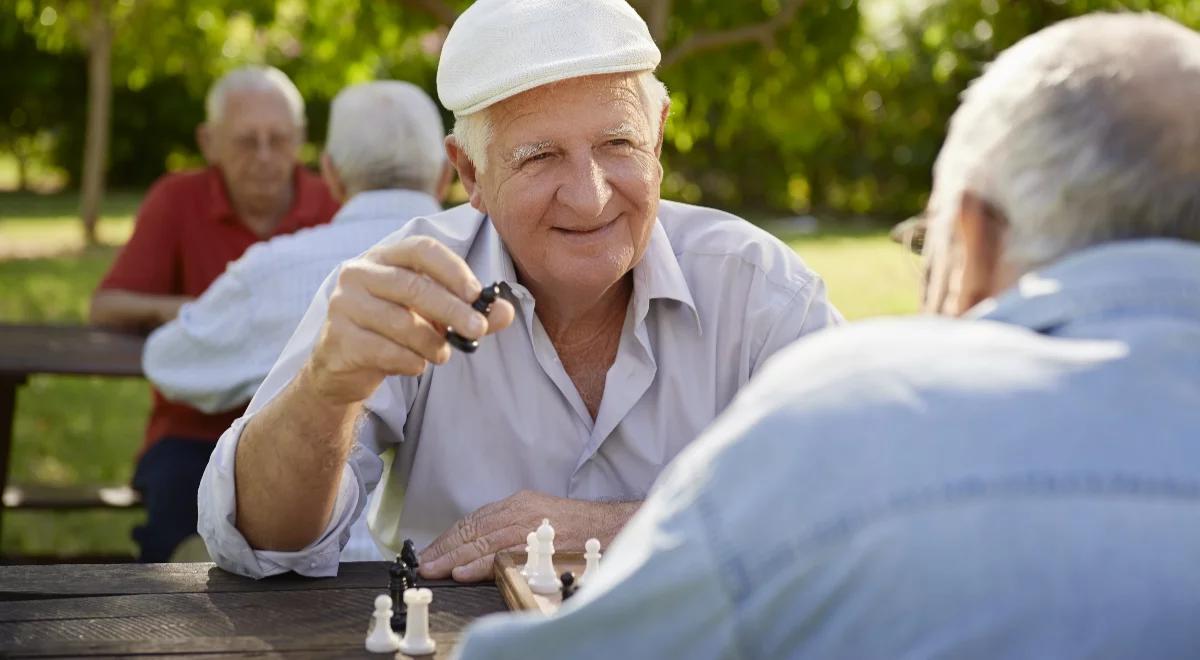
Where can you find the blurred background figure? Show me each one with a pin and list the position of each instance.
(385, 160)
(1020, 482)
(190, 226)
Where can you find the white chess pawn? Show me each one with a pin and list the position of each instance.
(591, 555)
(381, 639)
(530, 555)
(416, 633)
(544, 579)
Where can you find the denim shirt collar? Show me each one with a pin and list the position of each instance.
(1159, 276)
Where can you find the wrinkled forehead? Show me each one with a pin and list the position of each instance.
(584, 107)
(248, 108)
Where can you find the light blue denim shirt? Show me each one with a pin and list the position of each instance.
(1021, 484)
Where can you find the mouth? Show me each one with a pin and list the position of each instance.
(586, 233)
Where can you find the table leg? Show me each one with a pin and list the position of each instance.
(8, 409)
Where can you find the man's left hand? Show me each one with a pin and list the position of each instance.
(466, 550)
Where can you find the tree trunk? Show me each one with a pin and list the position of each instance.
(99, 111)
(22, 168)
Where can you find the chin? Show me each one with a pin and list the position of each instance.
(592, 275)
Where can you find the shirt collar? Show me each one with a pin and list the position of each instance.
(392, 204)
(656, 277)
(1152, 275)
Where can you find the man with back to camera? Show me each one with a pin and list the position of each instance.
(384, 159)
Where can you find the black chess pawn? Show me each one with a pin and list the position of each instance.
(483, 305)
(568, 584)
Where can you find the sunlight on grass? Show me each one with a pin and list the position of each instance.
(39, 225)
(867, 274)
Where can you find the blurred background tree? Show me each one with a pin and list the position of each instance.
(833, 107)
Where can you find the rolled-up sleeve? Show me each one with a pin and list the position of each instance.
(229, 549)
(217, 496)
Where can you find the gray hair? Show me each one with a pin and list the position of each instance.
(255, 78)
(386, 134)
(1084, 133)
(473, 132)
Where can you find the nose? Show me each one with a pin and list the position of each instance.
(262, 150)
(586, 190)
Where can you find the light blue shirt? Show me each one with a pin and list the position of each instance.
(1021, 484)
(219, 349)
(713, 298)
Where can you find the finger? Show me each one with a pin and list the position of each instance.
(398, 324)
(420, 294)
(483, 546)
(501, 316)
(460, 533)
(430, 257)
(477, 571)
(362, 349)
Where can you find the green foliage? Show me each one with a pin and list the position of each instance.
(841, 110)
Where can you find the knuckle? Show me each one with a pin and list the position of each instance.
(481, 546)
(416, 286)
(468, 530)
(422, 246)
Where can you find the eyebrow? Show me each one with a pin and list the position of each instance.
(624, 129)
(524, 151)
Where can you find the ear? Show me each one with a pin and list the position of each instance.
(332, 179)
(466, 173)
(443, 185)
(207, 143)
(662, 127)
(981, 230)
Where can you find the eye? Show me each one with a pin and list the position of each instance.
(545, 155)
(620, 142)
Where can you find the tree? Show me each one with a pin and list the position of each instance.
(155, 40)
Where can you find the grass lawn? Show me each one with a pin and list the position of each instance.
(87, 430)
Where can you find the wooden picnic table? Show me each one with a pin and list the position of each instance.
(27, 350)
(181, 610)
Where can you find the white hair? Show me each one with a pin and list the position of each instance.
(253, 78)
(473, 132)
(386, 134)
(1084, 133)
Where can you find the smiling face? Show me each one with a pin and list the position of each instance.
(572, 182)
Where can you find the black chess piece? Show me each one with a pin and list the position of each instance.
(408, 554)
(568, 584)
(483, 305)
(399, 580)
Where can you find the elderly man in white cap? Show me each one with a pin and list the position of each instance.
(633, 324)
(1023, 482)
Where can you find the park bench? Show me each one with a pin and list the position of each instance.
(27, 350)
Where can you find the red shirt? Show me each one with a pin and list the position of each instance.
(185, 235)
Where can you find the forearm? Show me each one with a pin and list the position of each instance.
(288, 467)
(131, 310)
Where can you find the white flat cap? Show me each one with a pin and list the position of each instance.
(500, 48)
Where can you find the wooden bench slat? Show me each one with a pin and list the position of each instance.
(36, 496)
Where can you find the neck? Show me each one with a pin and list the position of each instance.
(571, 322)
(262, 216)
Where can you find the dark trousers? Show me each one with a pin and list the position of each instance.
(168, 476)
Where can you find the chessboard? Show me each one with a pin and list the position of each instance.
(515, 589)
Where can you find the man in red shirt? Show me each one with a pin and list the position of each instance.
(188, 228)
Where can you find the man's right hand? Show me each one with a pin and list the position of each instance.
(389, 315)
